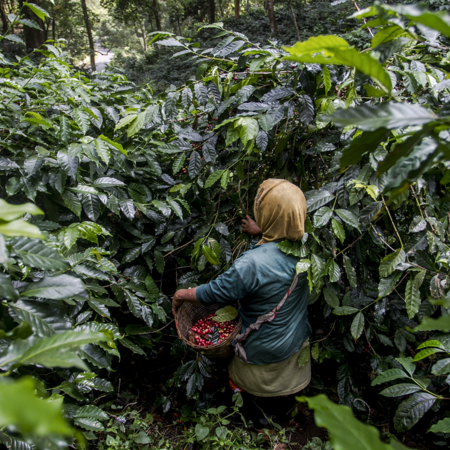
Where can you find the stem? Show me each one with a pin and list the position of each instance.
(417, 201)
(392, 221)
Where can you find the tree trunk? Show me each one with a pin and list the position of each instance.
(237, 7)
(33, 38)
(89, 33)
(295, 19)
(248, 6)
(273, 23)
(212, 11)
(157, 18)
(5, 21)
(144, 37)
(53, 29)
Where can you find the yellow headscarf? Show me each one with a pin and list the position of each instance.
(280, 211)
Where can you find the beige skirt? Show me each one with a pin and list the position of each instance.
(271, 380)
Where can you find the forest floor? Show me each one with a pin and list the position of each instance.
(144, 380)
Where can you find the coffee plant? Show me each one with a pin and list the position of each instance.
(140, 194)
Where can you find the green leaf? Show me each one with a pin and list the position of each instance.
(345, 310)
(72, 202)
(361, 144)
(56, 288)
(442, 367)
(7, 290)
(425, 353)
(105, 182)
(225, 179)
(349, 218)
(178, 163)
(125, 121)
(195, 164)
(351, 273)
(201, 431)
(400, 389)
(304, 356)
(137, 124)
(317, 200)
(19, 40)
(388, 284)
(412, 299)
(335, 50)
(389, 375)
(159, 261)
(431, 343)
(40, 12)
(113, 144)
(20, 228)
(152, 289)
(22, 409)
(210, 255)
(302, 266)
(81, 119)
(317, 268)
(412, 409)
(225, 314)
(249, 129)
(322, 216)
(443, 426)
(435, 20)
(357, 326)
(326, 79)
(403, 149)
(428, 324)
(390, 262)
(388, 115)
(330, 297)
(103, 150)
(92, 412)
(10, 212)
(333, 271)
(36, 254)
(387, 34)
(89, 424)
(338, 230)
(52, 351)
(345, 431)
(213, 178)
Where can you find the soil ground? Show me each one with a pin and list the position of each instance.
(145, 378)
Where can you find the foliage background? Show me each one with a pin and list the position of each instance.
(143, 193)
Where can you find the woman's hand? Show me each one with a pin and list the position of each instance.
(184, 295)
(250, 227)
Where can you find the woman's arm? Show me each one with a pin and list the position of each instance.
(184, 295)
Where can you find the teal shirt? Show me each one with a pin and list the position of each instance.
(259, 279)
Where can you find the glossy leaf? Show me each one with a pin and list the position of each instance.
(334, 50)
(345, 431)
(412, 409)
(385, 115)
(56, 288)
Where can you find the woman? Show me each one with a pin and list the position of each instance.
(259, 279)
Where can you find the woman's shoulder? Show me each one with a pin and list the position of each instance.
(262, 253)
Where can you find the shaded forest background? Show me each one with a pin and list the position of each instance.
(139, 175)
(123, 28)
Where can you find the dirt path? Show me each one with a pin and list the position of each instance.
(103, 58)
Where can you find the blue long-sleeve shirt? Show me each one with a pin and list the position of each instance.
(259, 279)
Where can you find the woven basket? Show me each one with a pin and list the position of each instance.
(188, 314)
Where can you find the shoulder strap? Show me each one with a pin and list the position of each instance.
(268, 317)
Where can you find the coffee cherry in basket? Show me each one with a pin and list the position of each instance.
(209, 332)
